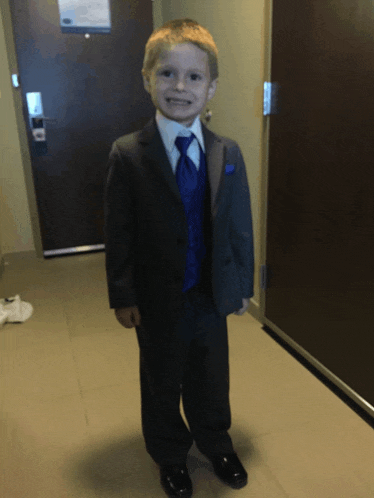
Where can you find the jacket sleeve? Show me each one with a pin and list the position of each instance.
(120, 228)
(241, 229)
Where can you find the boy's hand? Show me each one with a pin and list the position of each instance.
(128, 317)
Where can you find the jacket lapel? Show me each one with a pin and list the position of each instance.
(154, 152)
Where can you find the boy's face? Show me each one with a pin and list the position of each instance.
(179, 83)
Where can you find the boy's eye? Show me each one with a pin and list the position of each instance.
(167, 73)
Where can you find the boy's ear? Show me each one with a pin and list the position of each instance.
(146, 84)
(212, 88)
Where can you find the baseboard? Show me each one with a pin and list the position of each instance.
(254, 309)
(14, 257)
(362, 407)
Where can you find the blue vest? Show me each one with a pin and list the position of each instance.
(194, 209)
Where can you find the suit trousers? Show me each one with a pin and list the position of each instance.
(187, 360)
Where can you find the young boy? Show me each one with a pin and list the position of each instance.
(179, 256)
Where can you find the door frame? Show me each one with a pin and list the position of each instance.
(267, 53)
(21, 130)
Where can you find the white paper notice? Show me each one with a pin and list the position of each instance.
(87, 16)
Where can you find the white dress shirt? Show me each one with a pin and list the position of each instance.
(170, 130)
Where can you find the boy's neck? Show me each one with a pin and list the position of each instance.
(169, 130)
(160, 116)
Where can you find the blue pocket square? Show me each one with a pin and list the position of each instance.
(230, 168)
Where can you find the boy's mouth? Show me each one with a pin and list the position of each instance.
(178, 101)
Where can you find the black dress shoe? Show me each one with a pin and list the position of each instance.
(230, 470)
(176, 481)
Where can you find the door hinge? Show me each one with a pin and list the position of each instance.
(264, 277)
(271, 105)
(15, 81)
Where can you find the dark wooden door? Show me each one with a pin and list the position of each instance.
(92, 93)
(320, 231)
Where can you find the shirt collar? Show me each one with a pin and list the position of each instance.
(169, 130)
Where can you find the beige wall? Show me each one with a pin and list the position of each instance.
(241, 31)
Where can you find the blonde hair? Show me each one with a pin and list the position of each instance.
(177, 32)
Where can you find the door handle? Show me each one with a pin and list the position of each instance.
(49, 119)
(35, 107)
(36, 120)
(271, 98)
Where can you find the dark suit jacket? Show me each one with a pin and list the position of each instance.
(146, 229)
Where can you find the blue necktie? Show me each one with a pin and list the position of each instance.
(187, 179)
(186, 173)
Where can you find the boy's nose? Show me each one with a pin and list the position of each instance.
(180, 85)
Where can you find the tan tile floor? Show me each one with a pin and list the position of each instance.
(70, 418)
